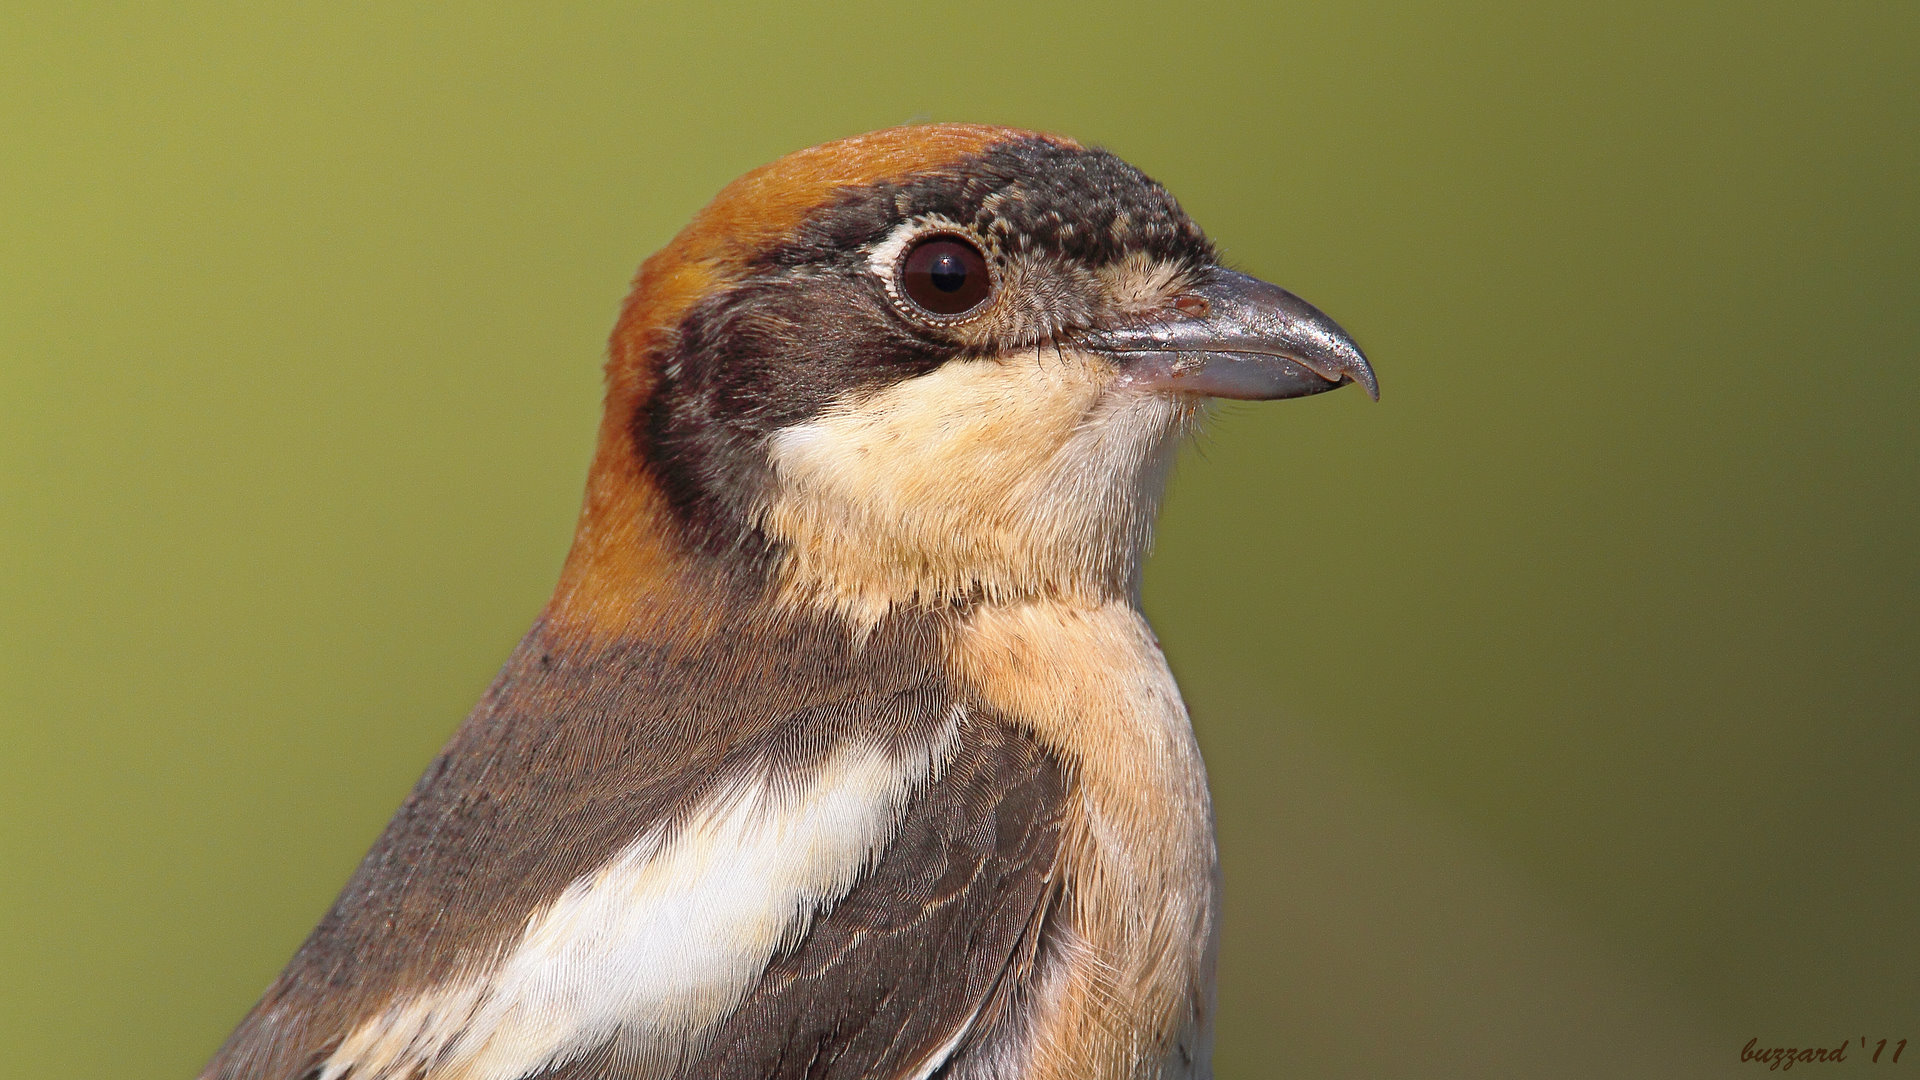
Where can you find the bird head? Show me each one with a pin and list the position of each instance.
(924, 367)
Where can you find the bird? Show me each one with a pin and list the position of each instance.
(843, 748)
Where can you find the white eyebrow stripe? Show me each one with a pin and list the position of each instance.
(667, 938)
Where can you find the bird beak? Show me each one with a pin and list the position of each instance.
(1234, 336)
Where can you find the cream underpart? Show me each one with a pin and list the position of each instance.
(1028, 484)
(1134, 997)
(662, 942)
(1023, 475)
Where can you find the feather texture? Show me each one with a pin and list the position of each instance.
(649, 854)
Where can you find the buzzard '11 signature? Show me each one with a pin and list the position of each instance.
(1786, 1057)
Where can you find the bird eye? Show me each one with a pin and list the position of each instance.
(945, 275)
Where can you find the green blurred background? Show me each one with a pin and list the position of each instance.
(1561, 707)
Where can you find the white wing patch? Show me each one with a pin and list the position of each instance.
(665, 940)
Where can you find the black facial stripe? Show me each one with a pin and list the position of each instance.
(1030, 195)
(767, 354)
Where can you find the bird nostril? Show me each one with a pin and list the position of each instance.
(1192, 306)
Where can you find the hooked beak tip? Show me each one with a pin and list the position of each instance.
(1236, 336)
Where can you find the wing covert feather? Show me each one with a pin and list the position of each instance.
(574, 753)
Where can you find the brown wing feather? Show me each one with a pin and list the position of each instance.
(573, 753)
(911, 959)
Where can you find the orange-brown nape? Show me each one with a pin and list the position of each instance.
(625, 560)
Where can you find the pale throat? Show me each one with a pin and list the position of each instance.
(1029, 475)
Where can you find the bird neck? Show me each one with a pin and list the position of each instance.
(984, 483)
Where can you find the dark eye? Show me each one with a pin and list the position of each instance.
(945, 275)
